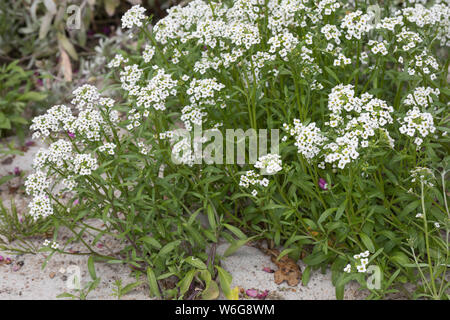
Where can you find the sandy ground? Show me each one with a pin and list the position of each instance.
(25, 277)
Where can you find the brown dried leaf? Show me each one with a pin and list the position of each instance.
(66, 66)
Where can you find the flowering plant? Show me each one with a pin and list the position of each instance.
(360, 97)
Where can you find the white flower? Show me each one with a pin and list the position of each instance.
(348, 268)
(36, 183)
(40, 206)
(84, 164)
(133, 17)
(269, 164)
(417, 123)
(109, 147)
(361, 268)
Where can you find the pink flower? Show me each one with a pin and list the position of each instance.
(323, 184)
(268, 270)
(72, 135)
(17, 171)
(76, 201)
(1, 258)
(252, 293)
(263, 295)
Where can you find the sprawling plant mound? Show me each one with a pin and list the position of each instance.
(360, 95)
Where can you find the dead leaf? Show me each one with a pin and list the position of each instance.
(287, 271)
(110, 6)
(8, 160)
(66, 66)
(67, 45)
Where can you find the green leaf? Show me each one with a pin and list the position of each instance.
(169, 247)
(331, 72)
(325, 215)
(186, 281)
(151, 241)
(211, 292)
(340, 210)
(32, 96)
(211, 217)
(367, 242)
(400, 258)
(152, 283)
(196, 262)
(225, 282)
(306, 276)
(5, 179)
(238, 233)
(130, 287)
(91, 268)
(5, 123)
(315, 258)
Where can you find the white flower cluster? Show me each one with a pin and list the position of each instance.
(308, 139)
(201, 92)
(129, 76)
(424, 175)
(327, 7)
(422, 16)
(56, 119)
(282, 44)
(40, 206)
(89, 125)
(69, 183)
(417, 123)
(133, 17)
(424, 63)
(117, 61)
(378, 47)
(421, 97)
(148, 53)
(109, 147)
(157, 90)
(36, 183)
(389, 23)
(142, 148)
(356, 24)
(361, 266)
(52, 244)
(331, 32)
(86, 97)
(408, 39)
(84, 164)
(341, 60)
(59, 152)
(251, 178)
(269, 163)
(355, 121)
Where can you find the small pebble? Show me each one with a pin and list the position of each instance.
(52, 275)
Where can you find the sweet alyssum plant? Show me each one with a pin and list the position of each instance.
(359, 91)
